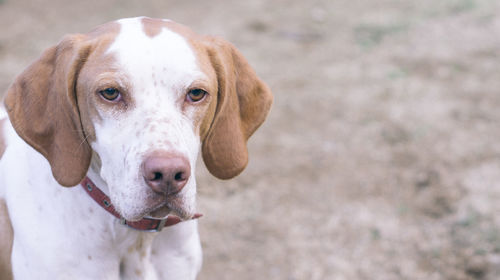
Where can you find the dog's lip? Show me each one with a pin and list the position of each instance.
(167, 209)
(175, 217)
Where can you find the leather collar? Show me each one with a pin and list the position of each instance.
(145, 224)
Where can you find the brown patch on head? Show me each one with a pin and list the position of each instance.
(98, 62)
(45, 106)
(152, 27)
(7, 237)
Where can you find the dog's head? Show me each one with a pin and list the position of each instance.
(138, 97)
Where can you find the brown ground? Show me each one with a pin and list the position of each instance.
(380, 158)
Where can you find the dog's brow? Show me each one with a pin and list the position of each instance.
(166, 59)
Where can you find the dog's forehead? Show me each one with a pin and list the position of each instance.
(151, 52)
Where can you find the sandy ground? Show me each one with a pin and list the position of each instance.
(380, 158)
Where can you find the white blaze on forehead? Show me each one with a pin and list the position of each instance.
(165, 59)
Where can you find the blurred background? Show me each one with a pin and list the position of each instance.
(380, 157)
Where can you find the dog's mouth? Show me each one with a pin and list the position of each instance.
(175, 206)
(164, 212)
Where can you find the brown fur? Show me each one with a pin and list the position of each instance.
(98, 62)
(152, 27)
(243, 104)
(44, 111)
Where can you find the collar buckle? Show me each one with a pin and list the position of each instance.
(161, 224)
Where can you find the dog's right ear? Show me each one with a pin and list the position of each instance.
(43, 108)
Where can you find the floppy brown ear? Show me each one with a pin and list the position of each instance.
(43, 109)
(243, 102)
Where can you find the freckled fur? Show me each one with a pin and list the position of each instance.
(157, 110)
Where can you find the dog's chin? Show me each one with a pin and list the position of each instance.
(160, 213)
(160, 208)
(170, 206)
(174, 206)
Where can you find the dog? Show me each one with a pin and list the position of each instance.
(118, 116)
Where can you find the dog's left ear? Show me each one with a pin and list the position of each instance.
(243, 102)
(43, 109)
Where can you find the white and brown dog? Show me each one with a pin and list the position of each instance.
(121, 111)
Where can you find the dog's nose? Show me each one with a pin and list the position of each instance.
(166, 174)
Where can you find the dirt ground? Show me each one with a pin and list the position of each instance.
(380, 158)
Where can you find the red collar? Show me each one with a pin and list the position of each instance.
(146, 224)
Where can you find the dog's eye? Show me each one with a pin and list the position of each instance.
(196, 95)
(110, 94)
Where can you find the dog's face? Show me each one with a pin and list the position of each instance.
(137, 97)
(149, 100)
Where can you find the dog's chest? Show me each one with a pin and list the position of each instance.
(135, 259)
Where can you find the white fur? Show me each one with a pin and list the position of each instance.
(84, 241)
(3, 114)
